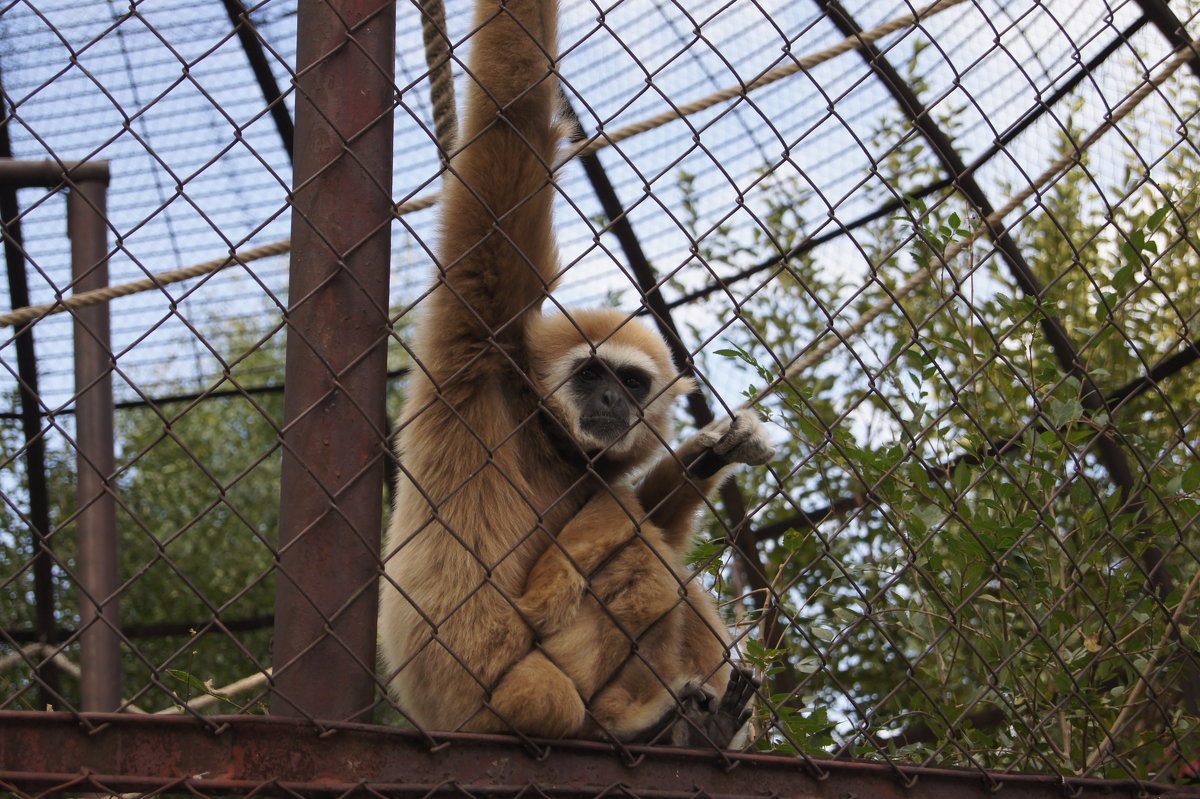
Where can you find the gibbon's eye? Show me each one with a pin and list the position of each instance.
(635, 381)
(589, 374)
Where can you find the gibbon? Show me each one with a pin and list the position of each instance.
(517, 436)
(618, 614)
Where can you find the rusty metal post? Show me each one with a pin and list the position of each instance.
(97, 519)
(334, 418)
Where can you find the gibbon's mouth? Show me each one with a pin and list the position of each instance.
(605, 428)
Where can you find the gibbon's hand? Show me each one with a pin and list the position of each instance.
(553, 591)
(699, 720)
(742, 439)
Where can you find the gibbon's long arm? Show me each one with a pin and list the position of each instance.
(497, 258)
(676, 489)
(558, 580)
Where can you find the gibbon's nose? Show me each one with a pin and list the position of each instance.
(610, 398)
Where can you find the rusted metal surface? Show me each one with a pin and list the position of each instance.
(96, 523)
(273, 756)
(337, 322)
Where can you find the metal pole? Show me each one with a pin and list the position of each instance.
(97, 520)
(1171, 27)
(31, 426)
(243, 26)
(335, 430)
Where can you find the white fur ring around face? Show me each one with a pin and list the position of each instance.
(743, 439)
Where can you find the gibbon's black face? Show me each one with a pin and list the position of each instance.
(608, 397)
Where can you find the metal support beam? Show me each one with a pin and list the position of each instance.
(335, 427)
(264, 756)
(243, 26)
(1171, 27)
(96, 521)
(38, 516)
(96, 525)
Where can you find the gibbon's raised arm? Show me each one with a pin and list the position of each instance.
(497, 258)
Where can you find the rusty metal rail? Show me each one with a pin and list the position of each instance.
(273, 756)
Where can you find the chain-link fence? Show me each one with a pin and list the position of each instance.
(945, 253)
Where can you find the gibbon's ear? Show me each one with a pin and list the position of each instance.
(684, 385)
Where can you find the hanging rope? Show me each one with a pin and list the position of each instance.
(445, 122)
(1059, 167)
(441, 76)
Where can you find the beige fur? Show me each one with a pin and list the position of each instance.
(492, 471)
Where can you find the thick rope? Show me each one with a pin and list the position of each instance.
(808, 62)
(443, 92)
(97, 296)
(994, 221)
(441, 76)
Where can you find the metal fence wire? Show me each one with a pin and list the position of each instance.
(275, 274)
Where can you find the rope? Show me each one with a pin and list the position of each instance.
(445, 122)
(1060, 166)
(441, 90)
(97, 296)
(848, 44)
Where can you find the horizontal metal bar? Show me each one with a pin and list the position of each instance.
(51, 174)
(273, 755)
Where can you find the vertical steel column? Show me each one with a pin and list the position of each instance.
(248, 36)
(97, 520)
(334, 418)
(31, 427)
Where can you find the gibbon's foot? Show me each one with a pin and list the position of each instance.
(698, 720)
(742, 439)
(553, 600)
(536, 698)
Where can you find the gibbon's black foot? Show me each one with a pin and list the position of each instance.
(698, 720)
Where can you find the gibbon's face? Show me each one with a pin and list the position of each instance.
(606, 398)
(614, 397)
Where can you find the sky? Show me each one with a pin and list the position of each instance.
(162, 90)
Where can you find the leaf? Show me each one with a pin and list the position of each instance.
(189, 680)
(1191, 478)
(1123, 279)
(808, 665)
(1156, 219)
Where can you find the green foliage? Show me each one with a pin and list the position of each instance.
(980, 554)
(198, 520)
(197, 494)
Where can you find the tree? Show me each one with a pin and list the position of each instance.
(978, 588)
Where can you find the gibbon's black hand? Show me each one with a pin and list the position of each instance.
(741, 439)
(733, 712)
(698, 720)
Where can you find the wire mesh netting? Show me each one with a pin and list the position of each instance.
(938, 262)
